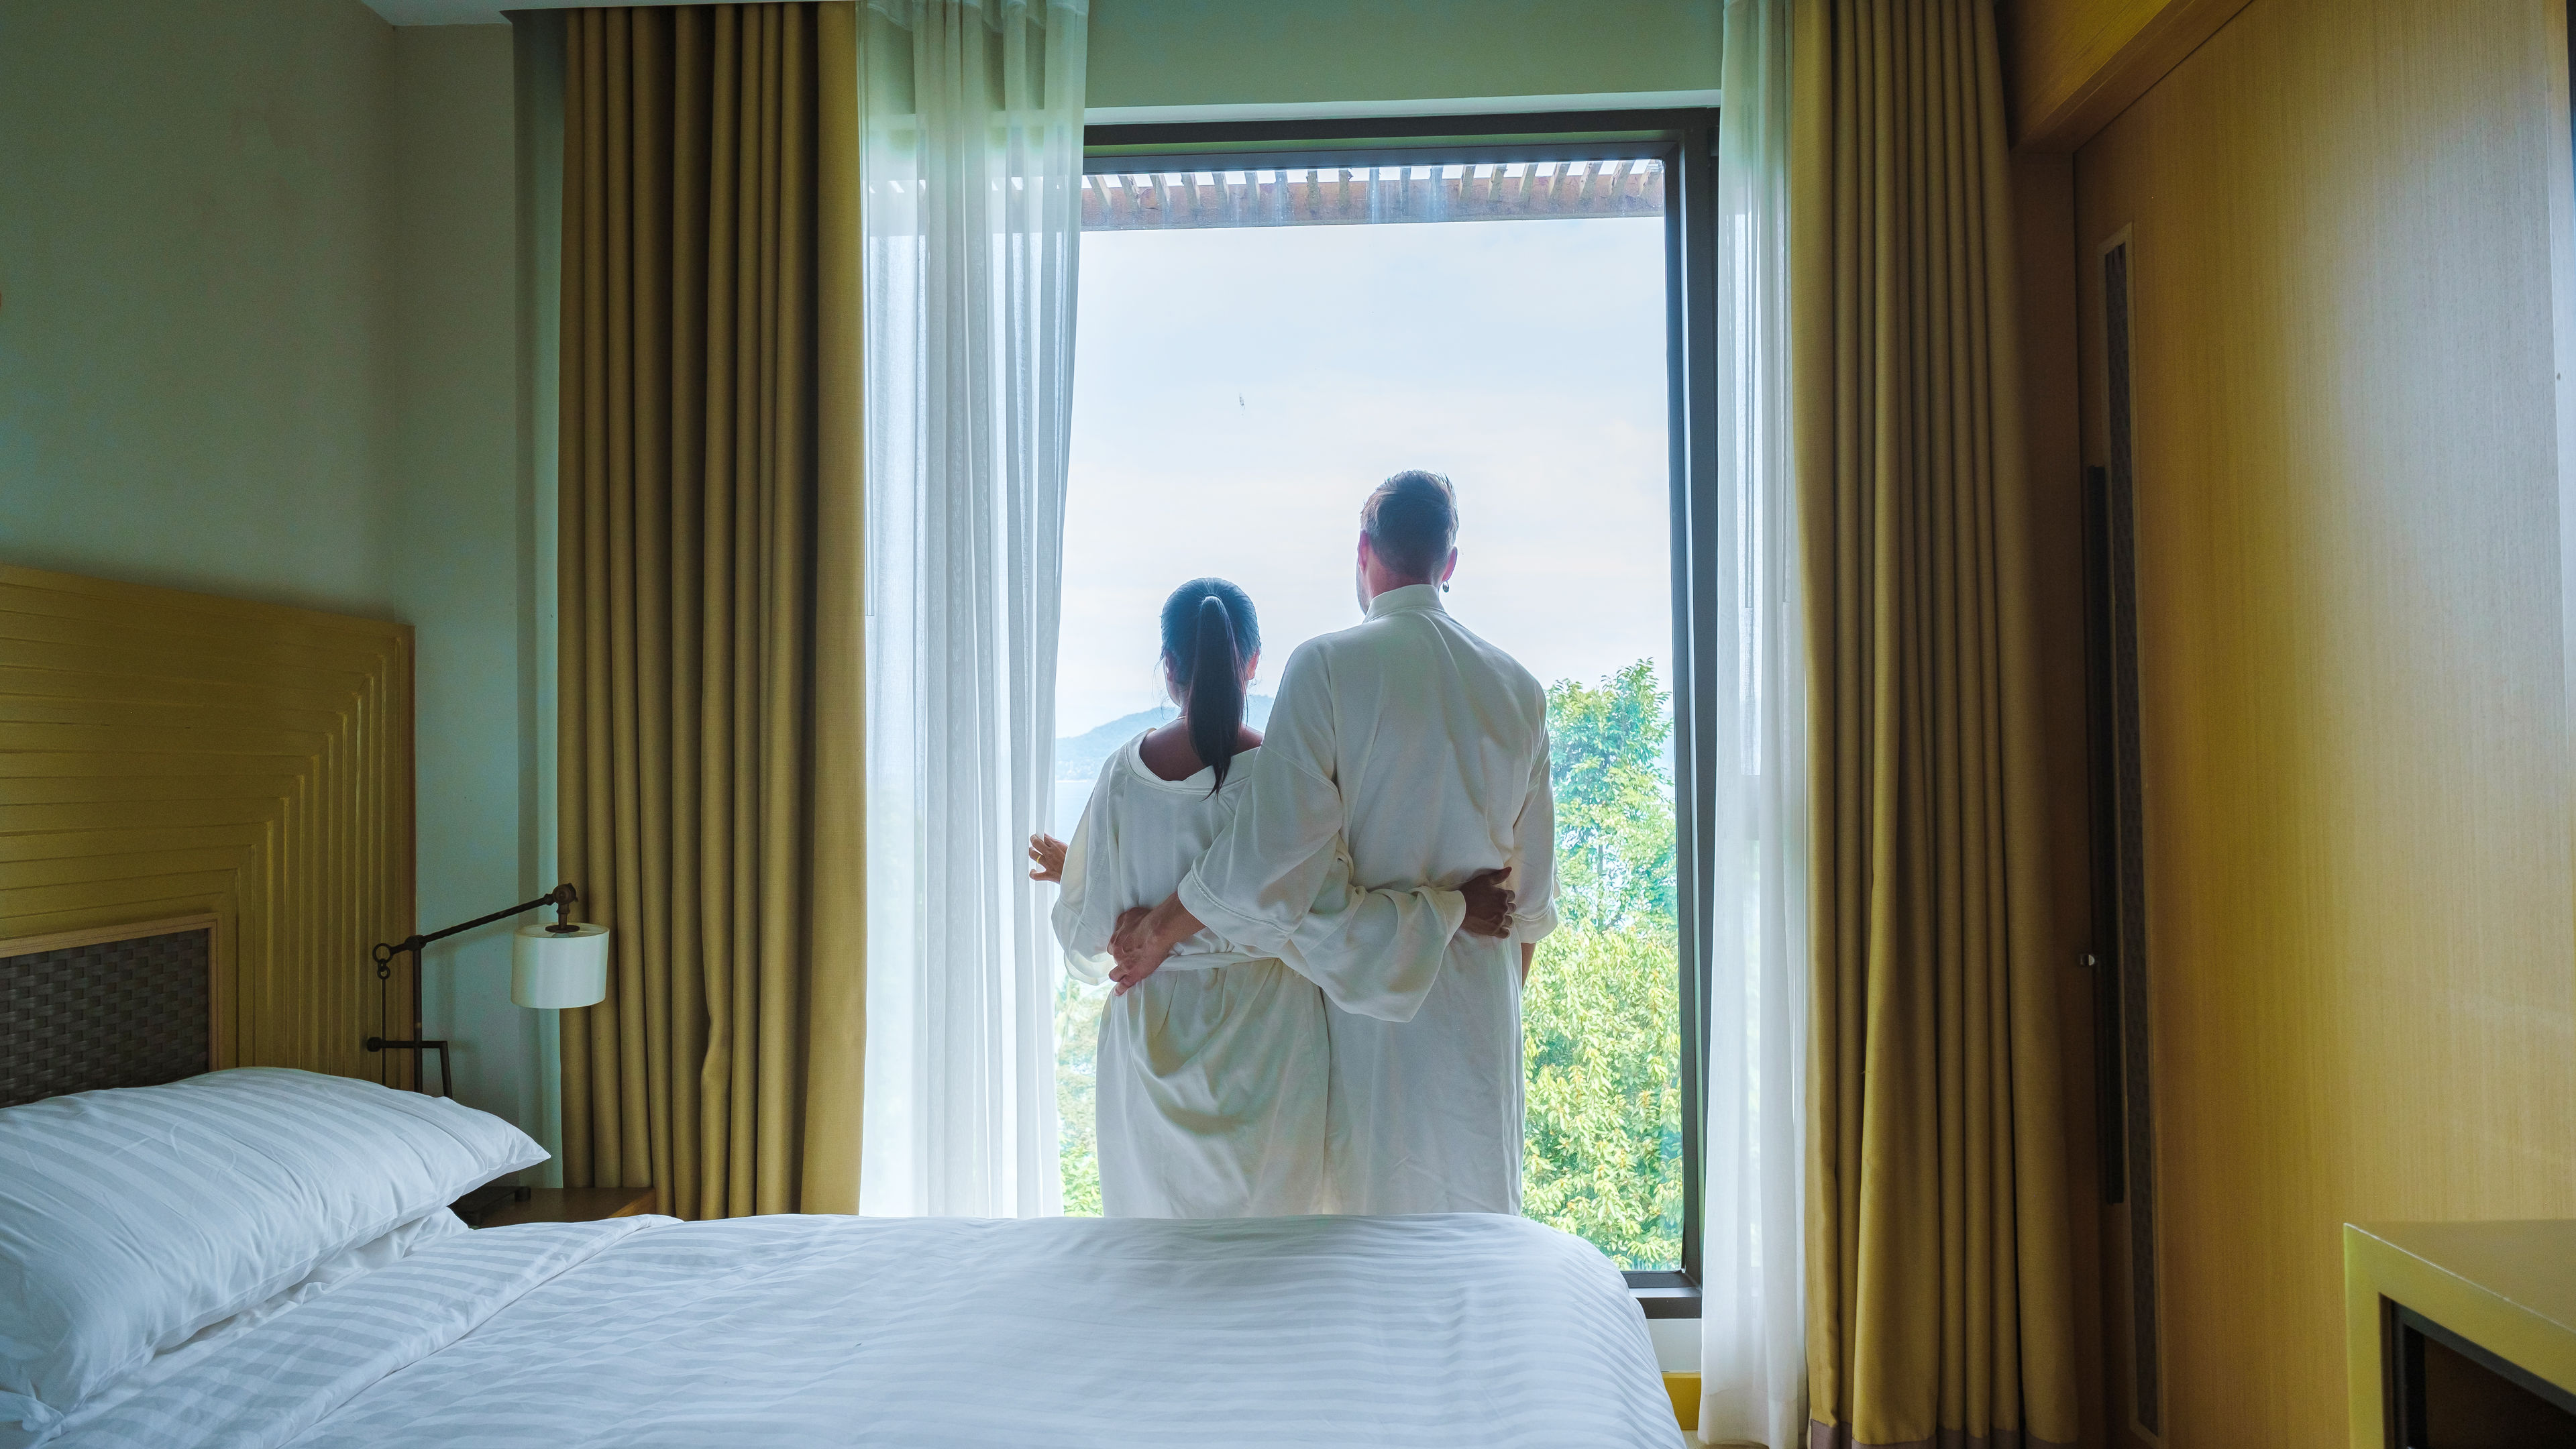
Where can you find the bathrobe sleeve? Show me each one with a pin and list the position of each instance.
(1533, 862)
(1277, 879)
(1373, 953)
(1085, 914)
(1266, 868)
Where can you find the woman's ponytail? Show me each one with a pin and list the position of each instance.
(1209, 630)
(1216, 690)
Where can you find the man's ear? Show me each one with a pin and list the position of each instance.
(1450, 567)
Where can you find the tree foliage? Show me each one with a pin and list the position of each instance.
(1601, 1018)
(1607, 752)
(1077, 1054)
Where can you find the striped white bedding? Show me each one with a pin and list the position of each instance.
(1448, 1330)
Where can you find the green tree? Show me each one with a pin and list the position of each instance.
(1614, 798)
(1077, 1049)
(1601, 1020)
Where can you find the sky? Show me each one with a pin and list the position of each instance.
(1237, 393)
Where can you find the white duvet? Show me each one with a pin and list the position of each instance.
(1465, 1330)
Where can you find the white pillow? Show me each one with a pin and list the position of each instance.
(339, 1268)
(131, 1219)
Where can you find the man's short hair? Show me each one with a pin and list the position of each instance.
(1412, 521)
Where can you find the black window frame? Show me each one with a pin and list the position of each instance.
(1685, 140)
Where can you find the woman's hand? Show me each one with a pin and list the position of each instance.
(1489, 906)
(1127, 947)
(1145, 938)
(1046, 856)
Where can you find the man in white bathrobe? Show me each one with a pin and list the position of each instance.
(1426, 749)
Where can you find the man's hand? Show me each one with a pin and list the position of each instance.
(1046, 858)
(1489, 905)
(1144, 939)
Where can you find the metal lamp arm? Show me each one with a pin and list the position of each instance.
(561, 898)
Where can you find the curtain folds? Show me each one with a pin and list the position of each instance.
(972, 125)
(709, 728)
(1938, 1292)
(1753, 1352)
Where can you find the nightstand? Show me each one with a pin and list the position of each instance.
(571, 1205)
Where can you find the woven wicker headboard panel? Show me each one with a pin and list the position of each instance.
(133, 1011)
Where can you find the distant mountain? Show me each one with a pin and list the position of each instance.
(1081, 757)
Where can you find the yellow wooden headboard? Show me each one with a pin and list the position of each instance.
(166, 754)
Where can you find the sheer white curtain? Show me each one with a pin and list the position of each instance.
(973, 168)
(1753, 1345)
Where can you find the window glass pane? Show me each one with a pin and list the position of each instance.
(1239, 389)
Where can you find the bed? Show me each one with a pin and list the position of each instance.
(262, 1257)
(797, 1331)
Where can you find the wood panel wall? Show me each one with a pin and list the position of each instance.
(2071, 65)
(169, 754)
(2044, 213)
(2362, 931)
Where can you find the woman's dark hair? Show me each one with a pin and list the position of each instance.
(1209, 629)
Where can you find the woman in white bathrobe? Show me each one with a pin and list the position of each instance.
(1211, 1074)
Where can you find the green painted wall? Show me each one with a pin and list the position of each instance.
(467, 569)
(259, 336)
(1235, 52)
(195, 331)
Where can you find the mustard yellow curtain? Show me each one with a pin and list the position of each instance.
(710, 735)
(1938, 1293)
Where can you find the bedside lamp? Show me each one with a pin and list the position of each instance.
(555, 966)
(559, 966)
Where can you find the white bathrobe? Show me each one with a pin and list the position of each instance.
(1425, 749)
(1212, 1074)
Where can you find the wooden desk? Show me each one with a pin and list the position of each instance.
(574, 1205)
(2506, 1288)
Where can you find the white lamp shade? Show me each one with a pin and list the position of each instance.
(559, 969)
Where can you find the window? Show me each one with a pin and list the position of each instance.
(1267, 333)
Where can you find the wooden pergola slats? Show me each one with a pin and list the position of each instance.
(1343, 196)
